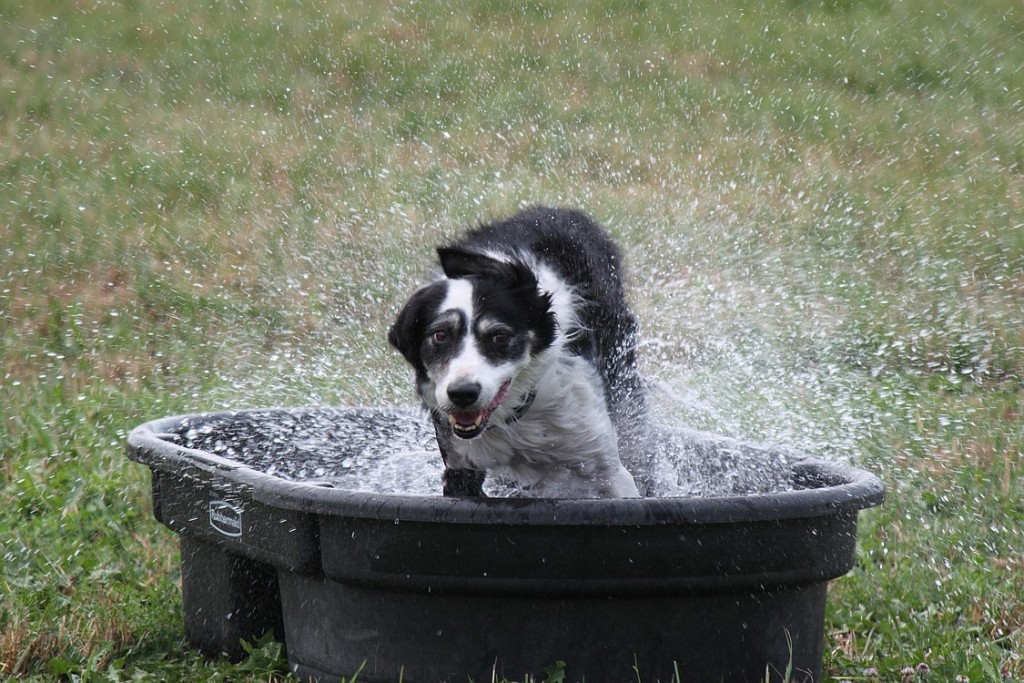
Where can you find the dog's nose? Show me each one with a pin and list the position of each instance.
(464, 394)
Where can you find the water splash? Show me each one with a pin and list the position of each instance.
(738, 340)
(392, 450)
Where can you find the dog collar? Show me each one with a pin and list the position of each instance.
(521, 410)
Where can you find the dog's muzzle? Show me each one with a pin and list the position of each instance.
(469, 424)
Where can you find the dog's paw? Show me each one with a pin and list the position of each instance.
(463, 483)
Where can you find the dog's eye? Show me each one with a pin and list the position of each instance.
(439, 337)
(500, 338)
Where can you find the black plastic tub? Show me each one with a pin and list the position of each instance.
(423, 588)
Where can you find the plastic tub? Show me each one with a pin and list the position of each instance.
(425, 588)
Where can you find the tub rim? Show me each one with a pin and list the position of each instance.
(846, 489)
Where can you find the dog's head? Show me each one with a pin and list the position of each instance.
(471, 335)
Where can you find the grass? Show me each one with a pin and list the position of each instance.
(212, 204)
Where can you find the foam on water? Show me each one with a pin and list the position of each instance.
(392, 450)
(387, 451)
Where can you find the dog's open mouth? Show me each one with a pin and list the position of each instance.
(472, 423)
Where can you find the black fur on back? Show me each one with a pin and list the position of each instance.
(585, 257)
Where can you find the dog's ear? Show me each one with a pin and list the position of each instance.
(457, 262)
(407, 333)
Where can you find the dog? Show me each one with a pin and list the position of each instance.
(525, 354)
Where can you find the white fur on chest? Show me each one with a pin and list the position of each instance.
(564, 446)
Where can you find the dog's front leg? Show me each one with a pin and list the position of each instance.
(458, 482)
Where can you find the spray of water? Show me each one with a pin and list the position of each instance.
(738, 354)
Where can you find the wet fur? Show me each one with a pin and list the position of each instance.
(528, 334)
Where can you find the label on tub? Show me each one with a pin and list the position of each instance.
(226, 518)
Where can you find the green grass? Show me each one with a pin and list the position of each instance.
(211, 204)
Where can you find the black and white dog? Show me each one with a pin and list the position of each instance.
(525, 356)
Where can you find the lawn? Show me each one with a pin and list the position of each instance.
(215, 204)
